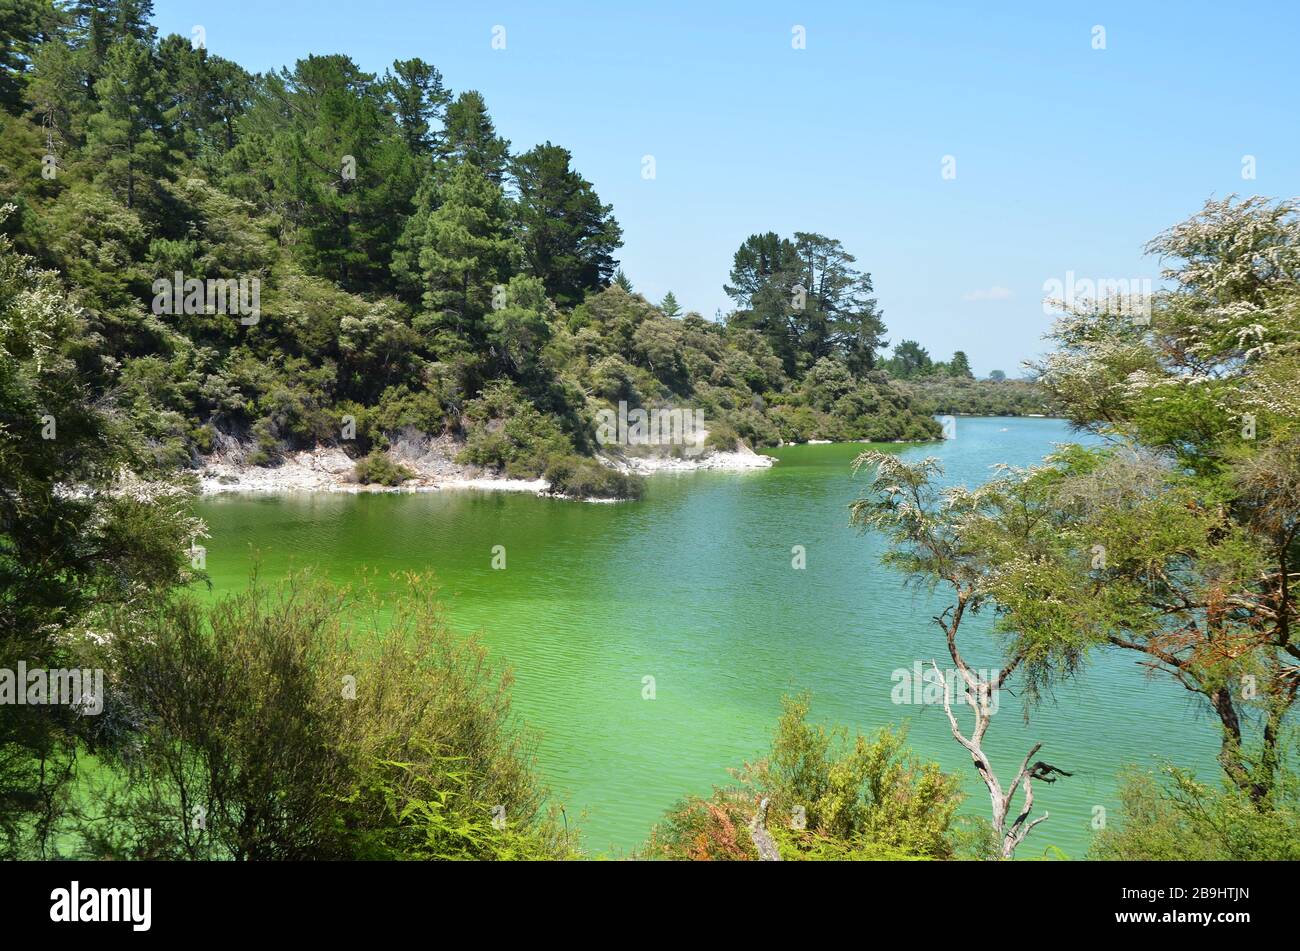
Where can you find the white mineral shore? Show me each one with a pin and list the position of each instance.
(432, 459)
(739, 460)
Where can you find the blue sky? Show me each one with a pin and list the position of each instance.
(1068, 158)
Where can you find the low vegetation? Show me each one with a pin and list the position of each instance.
(377, 468)
(1174, 818)
(828, 796)
(276, 725)
(580, 478)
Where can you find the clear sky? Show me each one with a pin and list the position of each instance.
(1068, 158)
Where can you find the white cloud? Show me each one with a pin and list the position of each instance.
(995, 292)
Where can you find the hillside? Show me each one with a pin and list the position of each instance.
(323, 256)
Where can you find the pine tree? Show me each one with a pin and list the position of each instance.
(518, 329)
(568, 236)
(960, 366)
(910, 360)
(470, 136)
(127, 139)
(205, 95)
(417, 99)
(342, 167)
(808, 299)
(21, 23)
(763, 282)
(98, 24)
(465, 251)
(669, 305)
(57, 92)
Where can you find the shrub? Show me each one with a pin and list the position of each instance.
(378, 469)
(863, 798)
(297, 732)
(266, 443)
(796, 423)
(754, 428)
(1180, 819)
(723, 437)
(703, 830)
(582, 478)
(399, 407)
(507, 433)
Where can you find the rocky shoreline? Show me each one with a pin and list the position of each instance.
(432, 459)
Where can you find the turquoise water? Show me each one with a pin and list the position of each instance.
(694, 587)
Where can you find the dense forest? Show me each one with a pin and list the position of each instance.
(399, 264)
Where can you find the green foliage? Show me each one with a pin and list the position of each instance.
(583, 478)
(462, 251)
(378, 469)
(859, 790)
(947, 395)
(518, 326)
(1177, 819)
(320, 145)
(400, 277)
(807, 299)
(295, 733)
(634, 353)
(1177, 538)
(418, 100)
(704, 830)
(1199, 521)
(469, 137)
(127, 137)
(909, 360)
(863, 798)
(506, 432)
(568, 236)
(66, 557)
(22, 24)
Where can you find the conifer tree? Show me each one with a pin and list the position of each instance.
(470, 136)
(127, 139)
(568, 236)
(465, 251)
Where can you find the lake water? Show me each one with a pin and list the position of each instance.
(694, 587)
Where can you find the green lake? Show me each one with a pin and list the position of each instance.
(694, 586)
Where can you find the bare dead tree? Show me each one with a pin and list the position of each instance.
(979, 692)
(938, 537)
